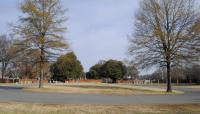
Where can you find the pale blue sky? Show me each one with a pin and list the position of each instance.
(97, 29)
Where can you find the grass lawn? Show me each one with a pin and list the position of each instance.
(191, 86)
(98, 89)
(8, 84)
(26, 108)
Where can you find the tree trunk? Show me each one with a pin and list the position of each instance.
(2, 71)
(2, 74)
(169, 88)
(41, 76)
(177, 81)
(41, 69)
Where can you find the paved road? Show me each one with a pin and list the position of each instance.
(15, 94)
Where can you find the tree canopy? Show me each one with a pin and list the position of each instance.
(66, 67)
(113, 69)
(95, 71)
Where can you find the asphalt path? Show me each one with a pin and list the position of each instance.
(16, 94)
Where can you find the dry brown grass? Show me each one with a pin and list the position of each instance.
(25, 108)
(191, 86)
(59, 89)
(90, 90)
(95, 89)
(8, 84)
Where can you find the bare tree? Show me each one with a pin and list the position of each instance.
(42, 30)
(166, 34)
(5, 53)
(132, 72)
(177, 74)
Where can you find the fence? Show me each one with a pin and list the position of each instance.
(100, 81)
(9, 80)
(34, 81)
(83, 81)
(31, 81)
(131, 81)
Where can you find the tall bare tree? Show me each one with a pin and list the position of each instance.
(166, 34)
(132, 72)
(5, 55)
(41, 28)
